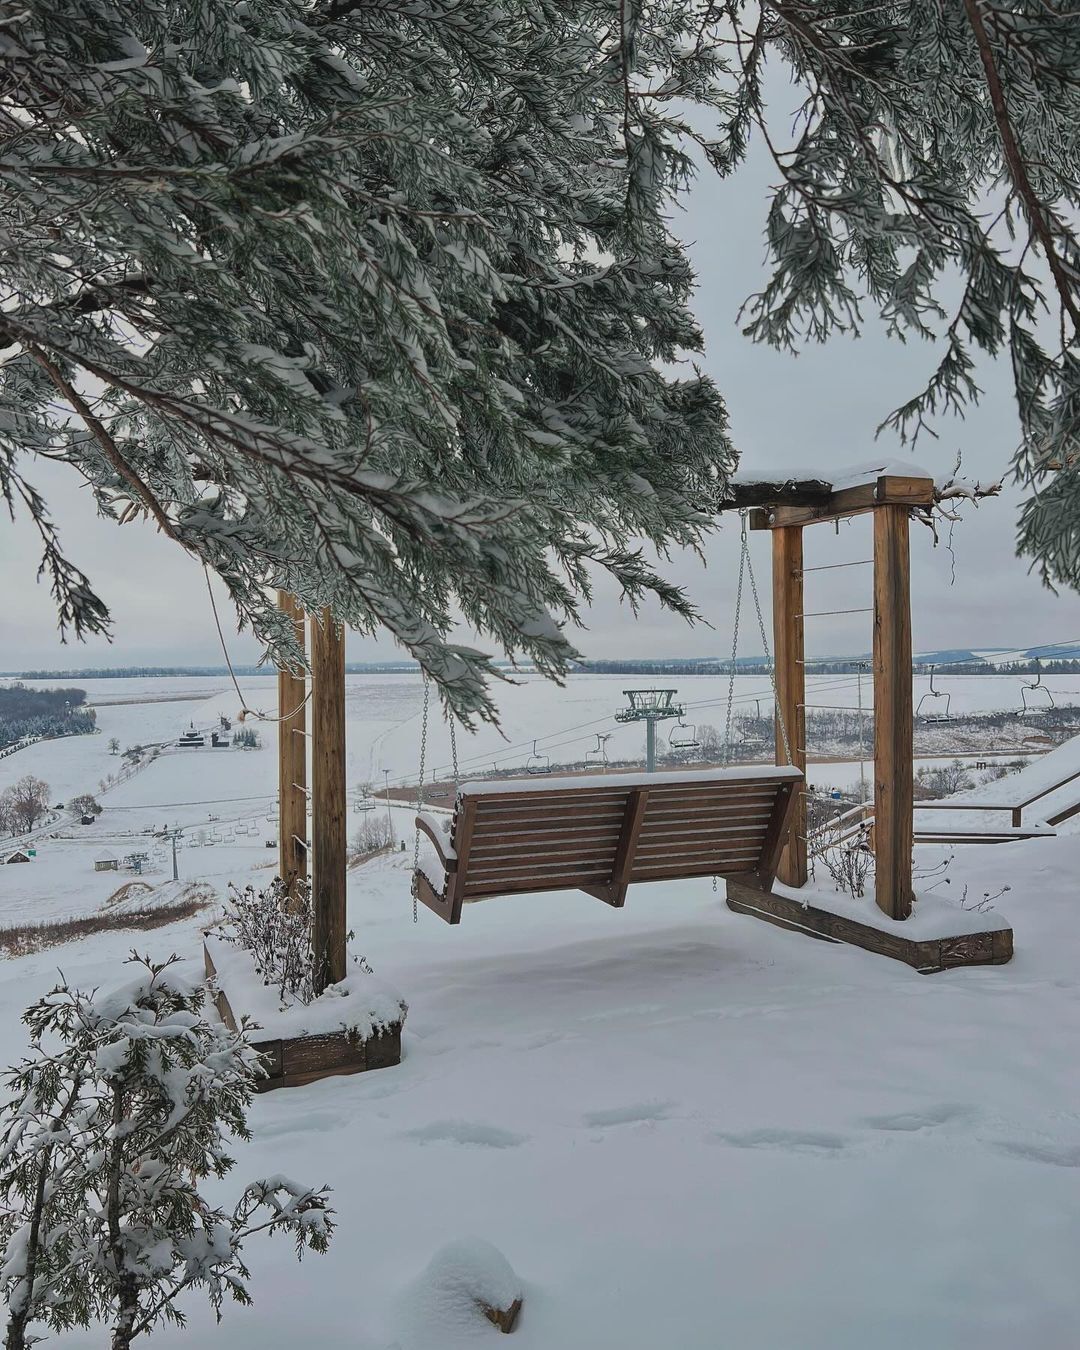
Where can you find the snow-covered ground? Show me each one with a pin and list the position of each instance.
(681, 1127)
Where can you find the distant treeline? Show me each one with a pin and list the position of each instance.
(42, 712)
(825, 666)
(839, 665)
(163, 672)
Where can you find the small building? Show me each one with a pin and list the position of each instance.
(106, 862)
(19, 855)
(87, 820)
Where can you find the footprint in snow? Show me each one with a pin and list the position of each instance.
(639, 1114)
(468, 1132)
(1055, 1155)
(926, 1119)
(792, 1141)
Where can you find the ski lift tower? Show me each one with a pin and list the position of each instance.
(650, 706)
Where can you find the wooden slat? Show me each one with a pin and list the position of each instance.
(675, 839)
(489, 887)
(731, 867)
(705, 845)
(708, 819)
(704, 850)
(549, 862)
(696, 801)
(484, 844)
(552, 816)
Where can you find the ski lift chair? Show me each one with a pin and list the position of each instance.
(537, 763)
(935, 712)
(596, 758)
(1031, 695)
(683, 737)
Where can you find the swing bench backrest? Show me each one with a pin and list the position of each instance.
(601, 833)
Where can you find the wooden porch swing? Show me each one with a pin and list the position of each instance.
(601, 833)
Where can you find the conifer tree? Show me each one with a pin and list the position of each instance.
(122, 1109)
(366, 301)
(377, 301)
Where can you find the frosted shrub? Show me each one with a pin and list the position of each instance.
(275, 925)
(123, 1106)
(845, 854)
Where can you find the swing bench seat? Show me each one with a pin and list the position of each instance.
(600, 833)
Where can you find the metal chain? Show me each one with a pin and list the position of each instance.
(420, 796)
(453, 747)
(768, 654)
(734, 647)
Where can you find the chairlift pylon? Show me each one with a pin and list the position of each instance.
(538, 763)
(933, 697)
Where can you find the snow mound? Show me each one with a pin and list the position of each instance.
(442, 1306)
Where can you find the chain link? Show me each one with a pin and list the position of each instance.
(453, 747)
(735, 645)
(768, 654)
(420, 796)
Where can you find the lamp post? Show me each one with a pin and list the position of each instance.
(650, 706)
(389, 813)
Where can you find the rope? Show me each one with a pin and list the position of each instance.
(765, 647)
(743, 554)
(831, 567)
(420, 796)
(245, 711)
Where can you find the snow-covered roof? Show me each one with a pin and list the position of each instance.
(105, 857)
(615, 781)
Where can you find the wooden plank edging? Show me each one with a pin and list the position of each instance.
(928, 956)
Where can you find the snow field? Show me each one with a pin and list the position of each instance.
(681, 1127)
(678, 1125)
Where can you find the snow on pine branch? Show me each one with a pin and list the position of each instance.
(334, 276)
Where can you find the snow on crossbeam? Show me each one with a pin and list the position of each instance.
(619, 782)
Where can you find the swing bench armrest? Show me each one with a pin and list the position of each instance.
(432, 827)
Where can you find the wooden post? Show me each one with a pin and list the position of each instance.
(893, 723)
(328, 799)
(790, 685)
(292, 761)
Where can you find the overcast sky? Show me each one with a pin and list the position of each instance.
(813, 414)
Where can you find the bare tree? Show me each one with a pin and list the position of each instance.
(29, 801)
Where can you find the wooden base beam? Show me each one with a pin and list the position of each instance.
(992, 948)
